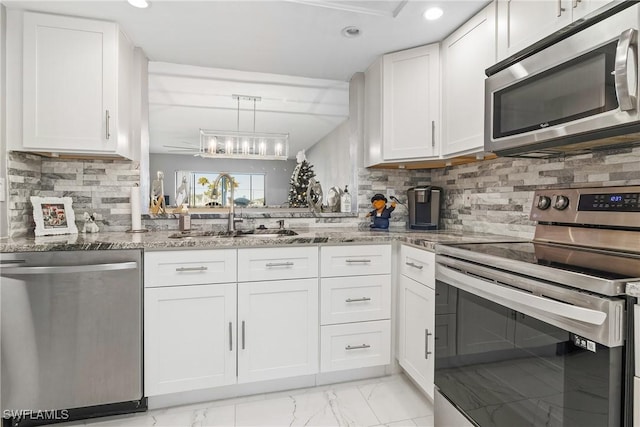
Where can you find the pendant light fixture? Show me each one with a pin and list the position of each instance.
(244, 145)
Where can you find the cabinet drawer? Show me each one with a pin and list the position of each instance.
(355, 345)
(418, 265)
(277, 263)
(355, 299)
(355, 260)
(168, 268)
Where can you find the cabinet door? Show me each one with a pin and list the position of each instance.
(411, 99)
(465, 55)
(189, 334)
(524, 22)
(373, 114)
(70, 83)
(582, 8)
(416, 329)
(277, 329)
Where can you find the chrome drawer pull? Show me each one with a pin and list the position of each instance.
(357, 299)
(348, 347)
(410, 264)
(364, 261)
(182, 269)
(230, 336)
(279, 264)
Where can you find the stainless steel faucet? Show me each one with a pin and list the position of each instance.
(231, 225)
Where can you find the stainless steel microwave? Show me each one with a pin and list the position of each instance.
(574, 95)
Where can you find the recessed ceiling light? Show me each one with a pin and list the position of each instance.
(351, 32)
(142, 4)
(433, 13)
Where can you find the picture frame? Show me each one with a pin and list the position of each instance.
(53, 215)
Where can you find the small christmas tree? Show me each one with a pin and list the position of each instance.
(300, 182)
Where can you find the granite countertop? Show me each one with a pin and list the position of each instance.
(158, 240)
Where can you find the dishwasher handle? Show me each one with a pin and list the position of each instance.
(69, 269)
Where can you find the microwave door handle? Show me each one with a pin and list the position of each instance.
(628, 42)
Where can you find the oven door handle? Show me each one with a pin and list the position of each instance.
(507, 296)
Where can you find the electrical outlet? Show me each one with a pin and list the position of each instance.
(2, 190)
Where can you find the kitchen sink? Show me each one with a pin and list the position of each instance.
(258, 233)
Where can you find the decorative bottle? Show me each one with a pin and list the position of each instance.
(345, 200)
(185, 219)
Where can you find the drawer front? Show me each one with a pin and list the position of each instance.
(358, 260)
(170, 268)
(277, 263)
(355, 345)
(418, 265)
(355, 299)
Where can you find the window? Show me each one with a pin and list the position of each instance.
(249, 190)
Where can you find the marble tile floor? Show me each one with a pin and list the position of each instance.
(387, 401)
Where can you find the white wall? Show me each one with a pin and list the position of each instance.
(337, 157)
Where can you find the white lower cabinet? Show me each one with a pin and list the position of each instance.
(355, 345)
(200, 333)
(355, 307)
(189, 337)
(416, 329)
(277, 329)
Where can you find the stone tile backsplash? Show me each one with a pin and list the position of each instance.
(96, 186)
(493, 196)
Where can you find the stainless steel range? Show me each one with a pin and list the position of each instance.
(540, 333)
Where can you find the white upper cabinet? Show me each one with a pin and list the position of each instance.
(524, 22)
(76, 85)
(465, 55)
(411, 100)
(402, 99)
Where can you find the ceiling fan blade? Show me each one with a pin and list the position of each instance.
(184, 147)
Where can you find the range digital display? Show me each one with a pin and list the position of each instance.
(614, 202)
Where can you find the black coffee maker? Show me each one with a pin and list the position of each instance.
(424, 207)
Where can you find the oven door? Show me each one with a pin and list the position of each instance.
(584, 83)
(512, 357)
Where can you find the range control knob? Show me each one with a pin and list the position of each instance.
(561, 202)
(544, 202)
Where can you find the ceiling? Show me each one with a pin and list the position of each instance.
(299, 38)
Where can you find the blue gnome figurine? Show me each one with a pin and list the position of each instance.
(381, 213)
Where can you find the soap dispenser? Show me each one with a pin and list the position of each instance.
(185, 219)
(345, 200)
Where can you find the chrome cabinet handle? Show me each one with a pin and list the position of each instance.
(355, 347)
(243, 334)
(426, 343)
(410, 264)
(230, 337)
(575, 3)
(357, 299)
(107, 124)
(560, 8)
(433, 133)
(628, 39)
(183, 269)
(279, 264)
(15, 271)
(364, 261)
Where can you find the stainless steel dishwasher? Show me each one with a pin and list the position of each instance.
(71, 335)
